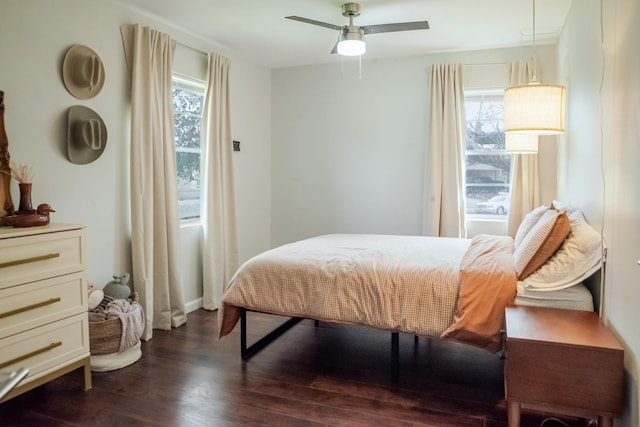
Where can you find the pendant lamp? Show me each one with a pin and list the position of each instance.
(521, 143)
(534, 108)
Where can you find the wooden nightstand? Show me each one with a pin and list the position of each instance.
(562, 361)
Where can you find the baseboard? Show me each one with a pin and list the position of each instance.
(193, 305)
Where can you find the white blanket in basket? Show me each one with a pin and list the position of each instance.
(131, 316)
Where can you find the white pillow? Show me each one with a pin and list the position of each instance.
(528, 222)
(541, 242)
(562, 206)
(578, 258)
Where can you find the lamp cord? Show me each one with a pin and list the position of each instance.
(534, 78)
(534, 27)
(554, 420)
(601, 308)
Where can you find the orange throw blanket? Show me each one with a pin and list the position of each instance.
(488, 283)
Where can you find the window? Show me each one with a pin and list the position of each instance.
(188, 99)
(487, 164)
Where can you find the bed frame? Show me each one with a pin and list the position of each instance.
(247, 352)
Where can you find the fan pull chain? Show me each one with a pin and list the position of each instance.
(359, 66)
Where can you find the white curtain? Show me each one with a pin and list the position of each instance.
(444, 204)
(220, 242)
(155, 234)
(525, 190)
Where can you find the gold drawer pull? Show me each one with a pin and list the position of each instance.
(33, 353)
(28, 260)
(29, 307)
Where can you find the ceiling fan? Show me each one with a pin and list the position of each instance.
(351, 37)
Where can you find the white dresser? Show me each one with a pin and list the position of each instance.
(44, 324)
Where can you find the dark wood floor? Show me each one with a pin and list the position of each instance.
(332, 375)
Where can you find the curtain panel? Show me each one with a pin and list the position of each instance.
(444, 202)
(220, 246)
(525, 182)
(155, 234)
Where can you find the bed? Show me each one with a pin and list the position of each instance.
(426, 286)
(575, 297)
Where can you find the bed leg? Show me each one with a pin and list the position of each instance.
(395, 357)
(243, 332)
(247, 352)
(316, 323)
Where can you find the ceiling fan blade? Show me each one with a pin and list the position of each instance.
(314, 22)
(335, 48)
(399, 26)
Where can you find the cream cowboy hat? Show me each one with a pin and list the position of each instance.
(82, 72)
(86, 135)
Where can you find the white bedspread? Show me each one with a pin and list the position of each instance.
(397, 283)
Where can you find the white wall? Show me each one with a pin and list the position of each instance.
(611, 198)
(348, 154)
(34, 36)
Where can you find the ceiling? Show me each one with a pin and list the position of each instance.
(257, 30)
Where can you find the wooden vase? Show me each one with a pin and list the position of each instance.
(25, 198)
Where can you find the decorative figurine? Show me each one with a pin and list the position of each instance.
(40, 217)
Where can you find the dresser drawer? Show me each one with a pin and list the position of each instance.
(44, 349)
(35, 304)
(30, 258)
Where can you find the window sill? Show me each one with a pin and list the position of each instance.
(486, 225)
(485, 218)
(186, 223)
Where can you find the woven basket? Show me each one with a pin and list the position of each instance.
(104, 337)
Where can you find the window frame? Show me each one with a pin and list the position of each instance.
(197, 86)
(490, 95)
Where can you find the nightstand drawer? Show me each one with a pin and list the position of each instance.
(31, 258)
(564, 375)
(47, 347)
(29, 306)
(562, 361)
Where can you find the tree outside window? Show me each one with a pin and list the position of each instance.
(188, 98)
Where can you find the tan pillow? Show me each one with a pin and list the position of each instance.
(528, 222)
(541, 242)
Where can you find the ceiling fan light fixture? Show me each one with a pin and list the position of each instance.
(352, 47)
(351, 42)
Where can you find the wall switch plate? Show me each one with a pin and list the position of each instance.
(236, 145)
